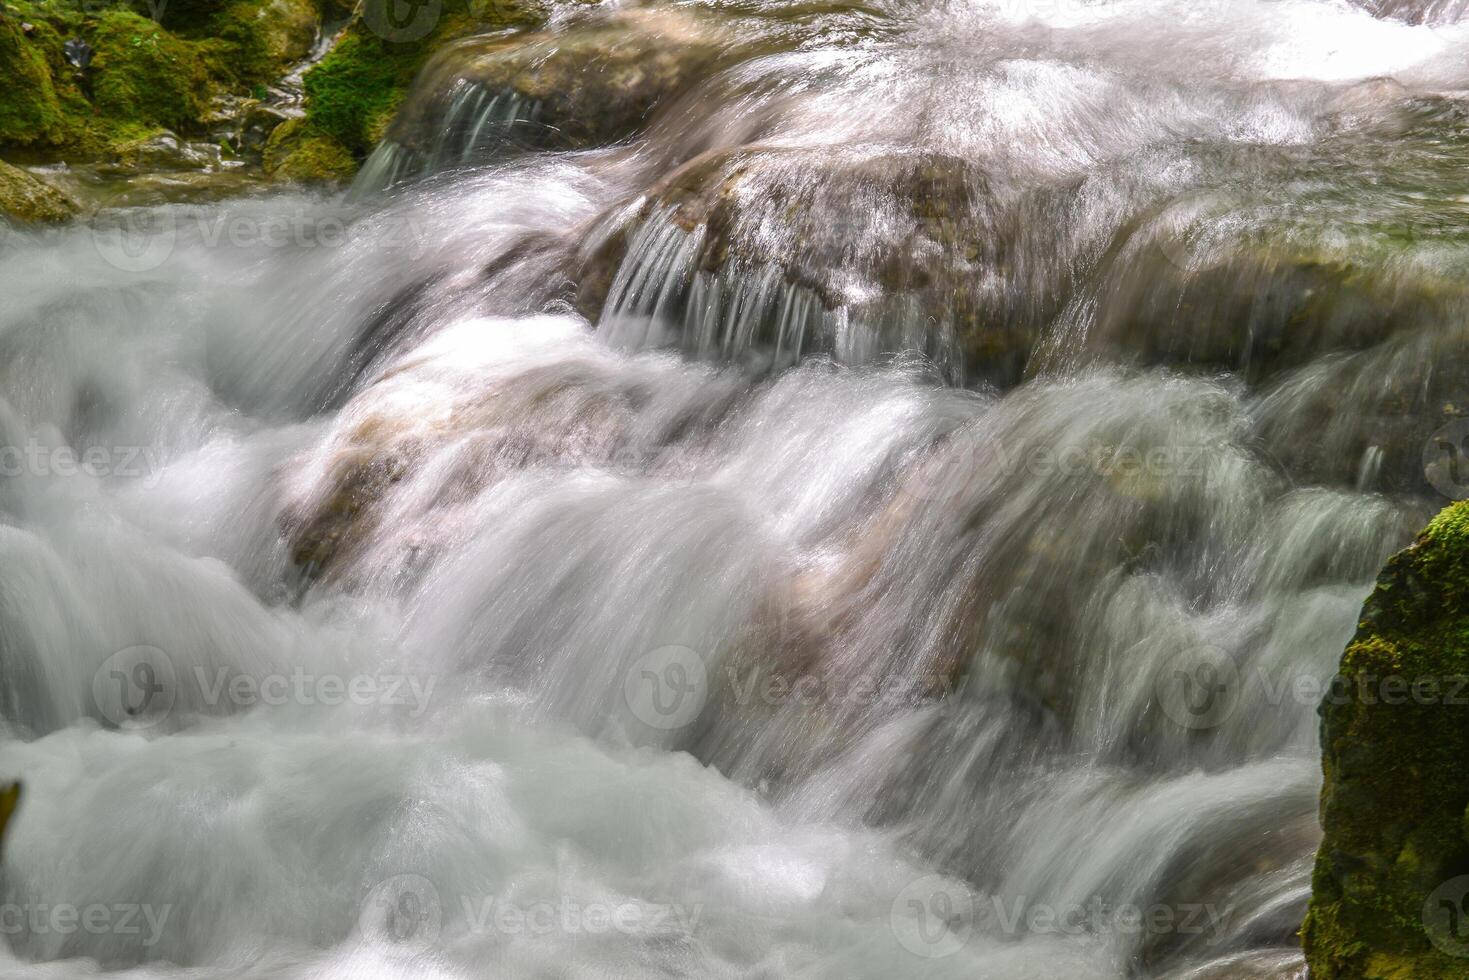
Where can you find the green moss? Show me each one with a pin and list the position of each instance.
(1397, 769)
(298, 151)
(30, 111)
(254, 41)
(145, 74)
(352, 94)
(28, 199)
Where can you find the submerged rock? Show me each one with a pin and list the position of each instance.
(28, 199)
(772, 254)
(1392, 876)
(9, 799)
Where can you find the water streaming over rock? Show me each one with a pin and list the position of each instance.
(892, 512)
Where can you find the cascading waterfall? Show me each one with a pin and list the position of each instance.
(475, 125)
(750, 313)
(906, 544)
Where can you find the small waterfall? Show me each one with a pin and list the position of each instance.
(474, 128)
(751, 313)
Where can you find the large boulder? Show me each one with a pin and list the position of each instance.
(1391, 886)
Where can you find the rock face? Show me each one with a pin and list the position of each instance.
(1391, 887)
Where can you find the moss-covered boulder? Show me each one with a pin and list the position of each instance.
(30, 111)
(252, 41)
(143, 72)
(27, 199)
(485, 93)
(1391, 888)
(300, 152)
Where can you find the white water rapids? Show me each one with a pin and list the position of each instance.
(626, 660)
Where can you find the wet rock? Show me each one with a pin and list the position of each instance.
(9, 800)
(298, 152)
(352, 94)
(1387, 419)
(163, 151)
(1288, 255)
(432, 425)
(28, 199)
(483, 95)
(177, 187)
(258, 123)
(854, 251)
(1389, 886)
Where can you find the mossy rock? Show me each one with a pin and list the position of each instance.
(30, 111)
(1390, 886)
(640, 58)
(142, 72)
(28, 199)
(355, 90)
(298, 151)
(253, 41)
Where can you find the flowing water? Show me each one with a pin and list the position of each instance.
(892, 515)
